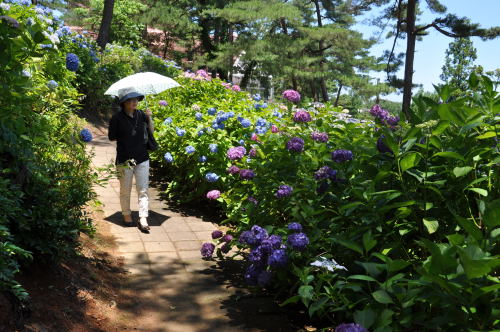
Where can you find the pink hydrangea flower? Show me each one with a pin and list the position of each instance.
(291, 95)
(274, 129)
(213, 194)
(236, 88)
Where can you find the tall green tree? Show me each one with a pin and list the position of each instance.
(104, 29)
(406, 13)
(459, 63)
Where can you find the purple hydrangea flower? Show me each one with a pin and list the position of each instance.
(393, 120)
(284, 191)
(213, 194)
(252, 274)
(325, 172)
(252, 153)
(291, 95)
(207, 250)
(295, 144)
(320, 137)
(247, 174)
(245, 237)
(322, 188)
(236, 153)
(350, 327)
(258, 233)
(255, 256)
(86, 135)
(278, 258)
(217, 234)
(341, 155)
(378, 112)
(381, 146)
(227, 238)
(301, 116)
(233, 169)
(295, 226)
(274, 241)
(264, 278)
(163, 103)
(253, 200)
(72, 62)
(298, 241)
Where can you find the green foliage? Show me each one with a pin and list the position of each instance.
(126, 28)
(46, 178)
(459, 63)
(416, 229)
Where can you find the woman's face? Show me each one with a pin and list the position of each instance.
(130, 104)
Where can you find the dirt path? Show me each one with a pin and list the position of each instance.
(170, 287)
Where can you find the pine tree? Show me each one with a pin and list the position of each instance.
(459, 63)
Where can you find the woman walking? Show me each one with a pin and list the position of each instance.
(129, 127)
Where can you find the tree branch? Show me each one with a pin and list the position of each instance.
(398, 26)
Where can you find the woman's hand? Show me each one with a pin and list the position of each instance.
(148, 113)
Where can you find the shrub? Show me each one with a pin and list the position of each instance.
(399, 238)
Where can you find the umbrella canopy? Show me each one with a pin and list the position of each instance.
(144, 83)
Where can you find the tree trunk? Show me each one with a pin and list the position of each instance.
(247, 74)
(338, 95)
(410, 55)
(322, 82)
(107, 16)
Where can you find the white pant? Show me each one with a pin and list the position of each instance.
(125, 175)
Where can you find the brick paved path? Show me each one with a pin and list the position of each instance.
(178, 291)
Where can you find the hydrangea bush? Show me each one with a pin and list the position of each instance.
(42, 143)
(398, 222)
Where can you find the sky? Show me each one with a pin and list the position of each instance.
(430, 52)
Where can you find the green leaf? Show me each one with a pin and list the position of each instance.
(449, 154)
(410, 160)
(475, 266)
(480, 191)
(365, 318)
(316, 305)
(488, 134)
(350, 244)
(306, 293)
(368, 241)
(470, 228)
(491, 215)
(441, 127)
(362, 277)
(431, 224)
(381, 296)
(293, 299)
(461, 171)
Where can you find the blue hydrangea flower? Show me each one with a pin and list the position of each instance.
(278, 258)
(259, 234)
(168, 157)
(212, 110)
(245, 123)
(190, 149)
(26, 73)
(86, 135)
(257, 97)
(273, 240)
(284, 191)
(180, 132)
(211, 177)
(213, 148)
(341, 155)
(4, 6)
(72, 62)
(203, 159)
(241, 142)
(252, 273)
(295, 226)
(200, 132)
(199, 116)
(298, 241)
(52, 84)
(167, 121)
(277, 114)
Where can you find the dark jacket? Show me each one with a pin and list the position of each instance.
(130, 136)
